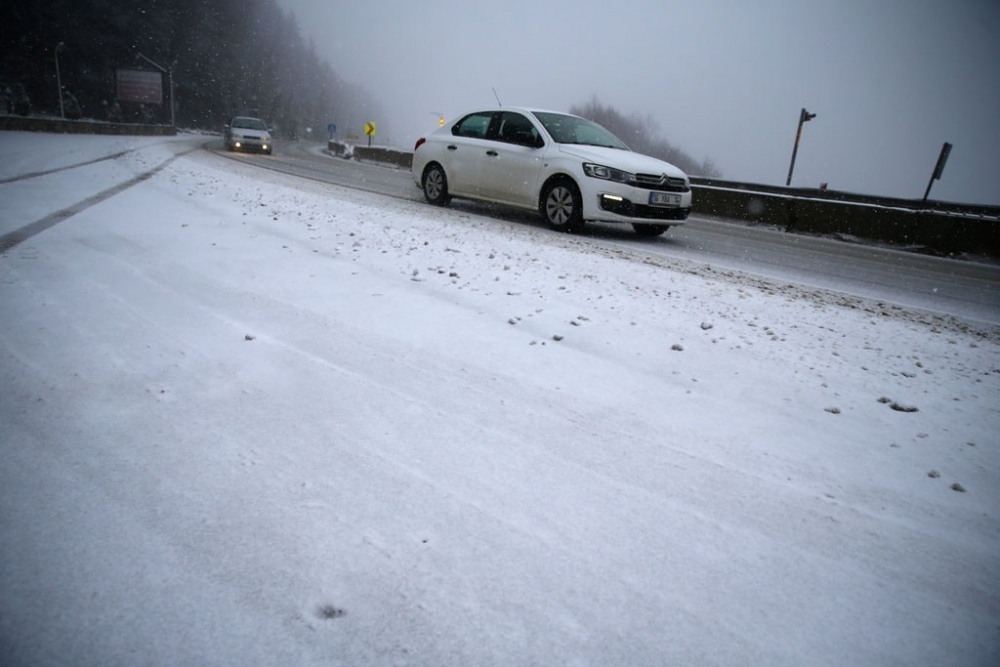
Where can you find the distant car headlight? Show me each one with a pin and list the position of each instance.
(607, 173)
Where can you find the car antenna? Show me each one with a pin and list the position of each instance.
(497, 96)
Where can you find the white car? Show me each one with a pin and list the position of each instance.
(570, 169)
(244, 133)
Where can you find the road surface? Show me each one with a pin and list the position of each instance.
(961, 288)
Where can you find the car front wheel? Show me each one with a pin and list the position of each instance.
(562, 206)
(436, 185)
(643, 229)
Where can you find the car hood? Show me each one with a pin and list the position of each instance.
(630, 161)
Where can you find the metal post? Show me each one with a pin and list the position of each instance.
(938, 169)
(62, 111)
(795, 150)
(170, 75)
(803, 117)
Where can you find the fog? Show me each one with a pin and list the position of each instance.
(890, 81)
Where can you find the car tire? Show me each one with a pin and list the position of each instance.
(562, 206)
(435, 185)
(645, 229)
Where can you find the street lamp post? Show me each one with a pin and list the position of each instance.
(170, 77)
(804, 116)
(62, 112)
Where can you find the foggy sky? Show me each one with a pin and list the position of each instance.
(889, 80)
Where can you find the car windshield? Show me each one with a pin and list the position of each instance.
(249, 124)
(566, 129)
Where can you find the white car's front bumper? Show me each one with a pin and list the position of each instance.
(607, 201)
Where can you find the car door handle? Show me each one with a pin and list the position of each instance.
(452, 147)
(492, 153)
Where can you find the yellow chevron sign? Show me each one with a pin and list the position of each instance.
(370, 128)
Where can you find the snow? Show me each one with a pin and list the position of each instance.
(253, 419)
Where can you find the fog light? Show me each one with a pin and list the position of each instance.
(616, 204)
(238, 144)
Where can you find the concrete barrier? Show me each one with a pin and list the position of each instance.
(941, 227)
(62, 126)
(340, 149)
(381, 155)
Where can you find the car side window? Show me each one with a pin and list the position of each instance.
(474, 125)
(516, 129)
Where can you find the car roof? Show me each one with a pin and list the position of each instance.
(530, 110)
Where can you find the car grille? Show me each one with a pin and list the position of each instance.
(661, 182)
(641, 211)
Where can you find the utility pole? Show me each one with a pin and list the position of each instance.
(804, 116)
(62, 112)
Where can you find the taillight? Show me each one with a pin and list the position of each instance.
(420, 142)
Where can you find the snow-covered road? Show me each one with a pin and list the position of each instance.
(250, 419)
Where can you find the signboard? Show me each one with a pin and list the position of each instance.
(370, 128)
(139, 85)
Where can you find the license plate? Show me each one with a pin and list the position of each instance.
(664, 199)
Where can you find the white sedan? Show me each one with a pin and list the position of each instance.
(570, 169)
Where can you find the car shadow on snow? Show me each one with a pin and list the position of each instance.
(602, 230)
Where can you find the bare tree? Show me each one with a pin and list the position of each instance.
(642, 134)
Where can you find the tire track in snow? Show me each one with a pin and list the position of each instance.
(12, 239)
(77, 165)
(36, 174)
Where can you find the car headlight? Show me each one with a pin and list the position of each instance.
(266, 139)
(607, 173)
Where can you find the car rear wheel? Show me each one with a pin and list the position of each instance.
(643, 229)
(436, 185)
(562, 206)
